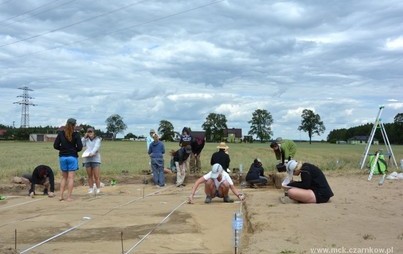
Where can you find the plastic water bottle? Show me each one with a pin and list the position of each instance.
(401, 164)
(237, 225)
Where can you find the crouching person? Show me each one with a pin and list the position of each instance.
(42, 175)
(313, 187)
(217, 183)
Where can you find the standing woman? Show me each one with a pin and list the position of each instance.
(92, 159)
(68, 142)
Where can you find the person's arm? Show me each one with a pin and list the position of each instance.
(194, 188)
(56, 144)
(305, 183)
(79, 144)
(149, 150)
(34, 180)
(282, 152)
(51, 180)
(96, 147)
(236, 192)
(228, 162)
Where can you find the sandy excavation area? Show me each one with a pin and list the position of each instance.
(141, 218)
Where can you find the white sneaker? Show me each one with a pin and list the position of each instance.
(97, 191)
(90, 190)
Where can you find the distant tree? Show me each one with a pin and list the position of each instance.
(261, 125)
(115, 125)
(398, 128)
(214, 127)
(130, 135)
(399, 119)
(311, 123)
(337, 135)
(166, 129)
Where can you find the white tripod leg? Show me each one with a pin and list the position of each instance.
(374, 164)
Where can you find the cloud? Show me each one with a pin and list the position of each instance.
(181, 60)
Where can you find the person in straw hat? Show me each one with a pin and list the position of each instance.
(221, 157)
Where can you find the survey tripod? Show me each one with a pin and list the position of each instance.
(378, 124)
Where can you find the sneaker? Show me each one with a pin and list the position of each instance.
(90, 190)
(45, 192)
(97, 191)
(227, 199)
(287, 200)
(207, 200)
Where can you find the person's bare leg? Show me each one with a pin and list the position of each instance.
(224, 189)
(96, 176)
(90, 177)
(209, 188)
(63, 184)
(302, 195)
(70, 185)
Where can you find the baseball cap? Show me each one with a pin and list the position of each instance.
(291, 166)
(71, 121)
(216, 170)
(152, 131)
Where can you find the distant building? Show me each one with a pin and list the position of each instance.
(361, 140)
(233, 135)
(3, 132)
(36, 137)
(198, 134)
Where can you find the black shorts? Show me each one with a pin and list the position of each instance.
(320, 198)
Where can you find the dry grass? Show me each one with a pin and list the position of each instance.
(21, 157)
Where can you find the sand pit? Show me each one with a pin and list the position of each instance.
(146, 219)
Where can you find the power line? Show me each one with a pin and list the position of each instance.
(72, 24)
(129, 27)
(38, 13)
(26, 12)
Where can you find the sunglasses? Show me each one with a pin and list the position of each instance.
(89, 131)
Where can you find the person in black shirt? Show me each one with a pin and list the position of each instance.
(195, 162)
(255, 175)
(221, 157)
(42, 175)
(68, 142)
(313, 187)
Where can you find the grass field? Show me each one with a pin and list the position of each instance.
(22, 157)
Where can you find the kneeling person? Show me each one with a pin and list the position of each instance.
(42, 175)
(217, 183)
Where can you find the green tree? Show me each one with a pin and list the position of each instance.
(261, 125)
(337, 135)
(214, 127)
(115, 125)
(166, 129)
(311, 123)
(130, 135)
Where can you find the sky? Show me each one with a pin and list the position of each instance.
(180, 60)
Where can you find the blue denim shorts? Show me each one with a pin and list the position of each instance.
(68, 163)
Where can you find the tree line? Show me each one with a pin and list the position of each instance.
(393, 130)
(215, 124)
